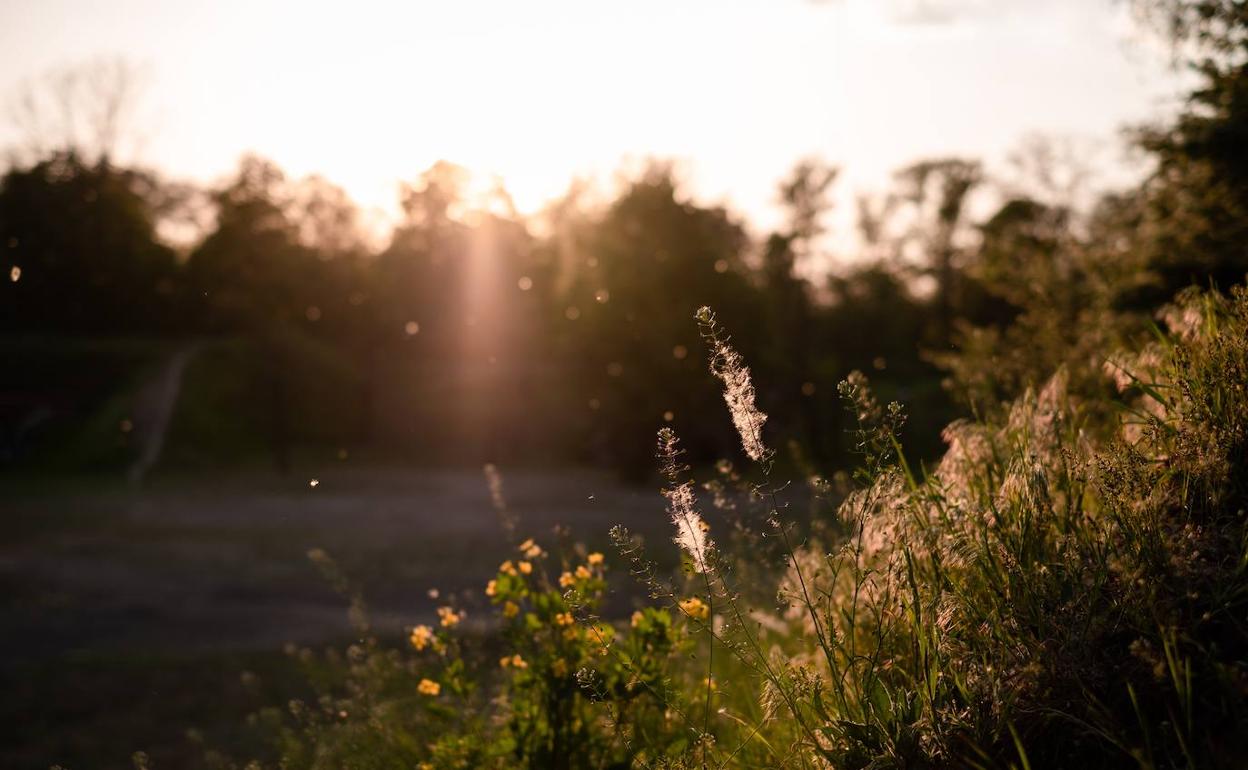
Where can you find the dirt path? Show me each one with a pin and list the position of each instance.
(153, 409)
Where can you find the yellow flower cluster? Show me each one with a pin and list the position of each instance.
(421, 637)
(530, 549)
(429, 687)
(564, 619)
(695, 608)
(450, 618)
(595, 559)
(513, 661)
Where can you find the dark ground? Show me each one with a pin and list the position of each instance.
(129, 615)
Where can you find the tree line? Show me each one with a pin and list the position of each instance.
(474, 332)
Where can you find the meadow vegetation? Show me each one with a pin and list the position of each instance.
(1066, 588)
(1058, 578)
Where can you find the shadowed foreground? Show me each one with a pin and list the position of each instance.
(129, 615)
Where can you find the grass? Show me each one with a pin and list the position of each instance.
(1066, 588)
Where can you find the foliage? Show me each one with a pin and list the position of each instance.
(1049, 595)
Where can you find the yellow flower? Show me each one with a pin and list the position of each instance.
(421, 636)
(525, 567)
(638, 617)
(559, 667)
(504, 661)
(424, 766)
(530, 549)
(595, 559)
(510, 609)
(428, 687)
(695, 608)
(515, 661)
(566, 580)
(583, 573)
(450, 618)
(564, 619)
(571, 633)
(602, 634)
(491, 588)
(507, 568)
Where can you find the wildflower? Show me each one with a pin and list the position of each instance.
(559, 667)
(507, 568)
(421, 636)
(564, 619)
(583, 573)
(638, 618)
(571, 633)
(491, 588)
(595, 559)
(566, 580)
(510, 609)
(429, 687)
(526, 568)
(695, 608)
(729, 367)
(515, 661)
(530, 549)
(449, 617)
(603, 634)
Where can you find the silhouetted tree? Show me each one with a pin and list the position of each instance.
(80, 250)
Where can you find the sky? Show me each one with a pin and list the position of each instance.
(368, 93)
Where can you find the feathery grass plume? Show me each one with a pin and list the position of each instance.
(726, 364)
(682, 502)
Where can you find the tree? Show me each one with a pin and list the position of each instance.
(81, 242)
(89, 110)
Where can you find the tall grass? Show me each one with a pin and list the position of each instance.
(1066, 588)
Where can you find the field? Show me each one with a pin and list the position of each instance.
(131, 614)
